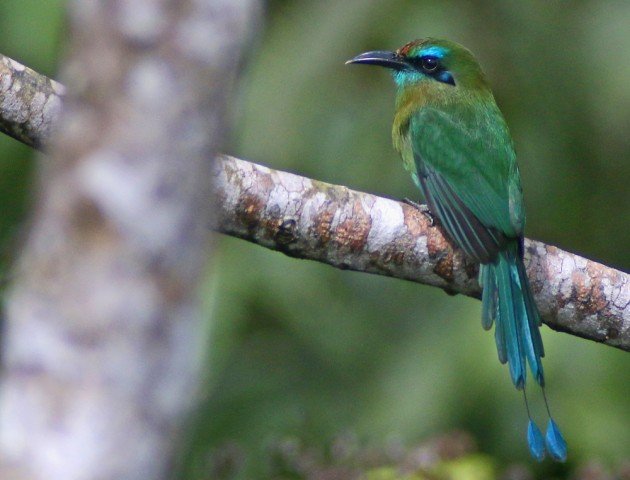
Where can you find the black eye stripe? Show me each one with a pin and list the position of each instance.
(432, 66)
(429, 63)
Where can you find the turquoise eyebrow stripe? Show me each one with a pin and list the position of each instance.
(434, 51)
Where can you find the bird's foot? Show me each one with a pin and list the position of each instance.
(424, 209)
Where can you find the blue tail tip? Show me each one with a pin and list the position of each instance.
(556, 445)
(535, 441)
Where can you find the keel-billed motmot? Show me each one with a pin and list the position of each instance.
(457, 147)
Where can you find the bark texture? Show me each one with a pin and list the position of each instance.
(29, 103)
(352, 230)
(104, 329)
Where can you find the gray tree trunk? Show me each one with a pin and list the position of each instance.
(103, 335)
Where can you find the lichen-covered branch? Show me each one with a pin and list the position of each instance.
(103, 331)
(332, 224)
(29, 103)
(352, 230)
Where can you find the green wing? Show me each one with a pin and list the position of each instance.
(468, 174)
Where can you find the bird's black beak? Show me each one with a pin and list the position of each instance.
(382, 58)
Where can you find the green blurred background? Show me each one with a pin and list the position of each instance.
(300, 350)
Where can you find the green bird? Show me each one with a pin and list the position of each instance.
(455, 142)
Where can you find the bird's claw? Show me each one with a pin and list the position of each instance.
(424, 209)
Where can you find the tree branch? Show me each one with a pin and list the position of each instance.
(332, 224)
(29, 103)
(352, 230)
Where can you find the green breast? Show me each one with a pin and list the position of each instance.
(464, 138)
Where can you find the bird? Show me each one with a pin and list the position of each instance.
(455, 142)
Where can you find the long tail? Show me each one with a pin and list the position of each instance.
(508, 302)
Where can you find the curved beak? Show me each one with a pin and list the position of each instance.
(382, 58)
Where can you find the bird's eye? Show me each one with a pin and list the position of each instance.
(429, 63)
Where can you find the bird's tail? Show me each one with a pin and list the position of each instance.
(508, 302)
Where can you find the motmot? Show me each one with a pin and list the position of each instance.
(455, 142)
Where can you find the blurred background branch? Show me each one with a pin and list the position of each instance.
(308, 219)
(104, 335)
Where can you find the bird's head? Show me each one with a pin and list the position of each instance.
(429, 60)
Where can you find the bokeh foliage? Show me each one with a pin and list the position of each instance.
(304, 351)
